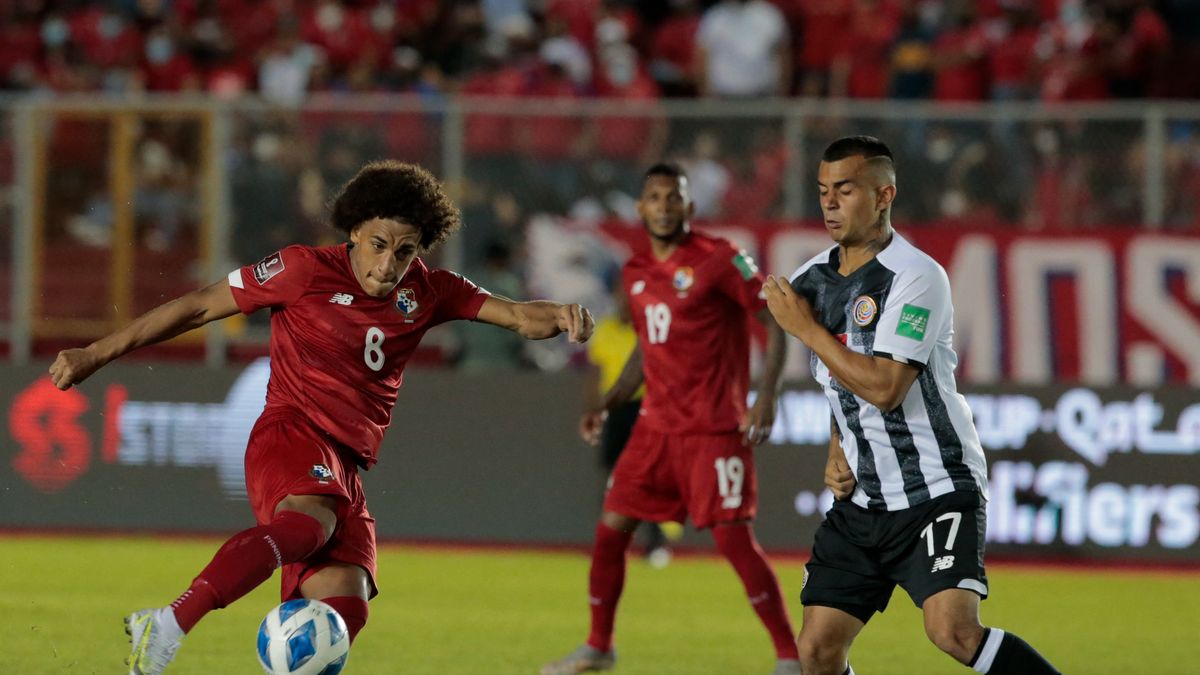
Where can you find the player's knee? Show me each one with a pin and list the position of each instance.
(619, 522)
(958, 639)
(321, 507)
(818, 657)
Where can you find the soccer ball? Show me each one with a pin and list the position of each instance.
(303, 637)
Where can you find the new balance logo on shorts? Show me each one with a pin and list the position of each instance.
(321, 473)
(343, 299)
(943, 563)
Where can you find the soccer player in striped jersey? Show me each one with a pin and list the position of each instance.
(905, 462)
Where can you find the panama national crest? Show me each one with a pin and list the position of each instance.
(321, 473)
(864, 310)
(684, 278)
(406, 302)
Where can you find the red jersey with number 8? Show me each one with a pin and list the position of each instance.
(690, 312)
(338, 354)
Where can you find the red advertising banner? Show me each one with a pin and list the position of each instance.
(1100, 308)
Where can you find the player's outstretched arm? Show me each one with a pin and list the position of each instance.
(161, 323)
(760, 418)
(619, 394)
(880, 381)
(538, 319)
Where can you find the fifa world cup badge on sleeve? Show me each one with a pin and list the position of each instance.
(913, 322)
(268, 267)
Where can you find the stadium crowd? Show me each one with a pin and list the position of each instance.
(303, 57)
(947, 50)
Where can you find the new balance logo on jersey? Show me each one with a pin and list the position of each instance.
(343, 299)
(943, 563)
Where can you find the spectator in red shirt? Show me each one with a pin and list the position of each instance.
(105, 37)
(860, 67)
(550, 145)
(341, 32)
(166, 67)
(19, 46)
(253, 23)
(824, 22)
(1079, 70)
(960, 59)
(1012, 53)
(1141, 53)
(673, 50)
(627, 142)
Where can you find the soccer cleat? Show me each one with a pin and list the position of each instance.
(786, 667)
(155, 636)
(585, 659)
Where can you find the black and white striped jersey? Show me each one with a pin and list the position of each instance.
(897, 306)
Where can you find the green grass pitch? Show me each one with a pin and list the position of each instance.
(485, 612)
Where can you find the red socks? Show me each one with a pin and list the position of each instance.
(245, 561)
(353, 610)
(736, 542)
(605, 582)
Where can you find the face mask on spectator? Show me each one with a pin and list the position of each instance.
(266, 147)
(620, 65)
(330, 17)
(159, 49)
(110, 26)
(55, 32)
(383, 17)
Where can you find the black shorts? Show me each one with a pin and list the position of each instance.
(860, 555)
(616, 430)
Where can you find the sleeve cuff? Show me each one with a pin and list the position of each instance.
(900, 359)
(476, 304)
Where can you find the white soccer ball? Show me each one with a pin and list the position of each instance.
(303, 637)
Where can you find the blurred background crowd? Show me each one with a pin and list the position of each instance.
(312, 89)
(946, 50)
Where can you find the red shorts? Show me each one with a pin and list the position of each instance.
(661, 477)
(287, 455)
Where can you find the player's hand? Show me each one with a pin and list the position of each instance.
(590, 425)
(791, 311)
(73, 366)
(839, 478)
(757, 422)
(576, 321)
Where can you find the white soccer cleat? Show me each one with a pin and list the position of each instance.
(786, 667)
(155, 636)
(585, 659)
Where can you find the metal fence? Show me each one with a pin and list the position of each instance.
(108, 207)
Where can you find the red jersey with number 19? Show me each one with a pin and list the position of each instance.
(338, 354)
(690, 313)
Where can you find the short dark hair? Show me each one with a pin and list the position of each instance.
(668, 169)
(403, 192)
(867, 147)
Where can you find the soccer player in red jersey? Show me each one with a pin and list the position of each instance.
(344, 322)
(691, 452)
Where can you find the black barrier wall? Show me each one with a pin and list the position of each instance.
(1101, 474)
